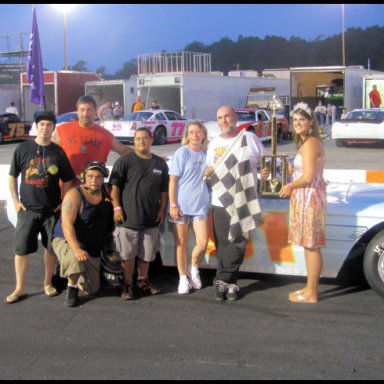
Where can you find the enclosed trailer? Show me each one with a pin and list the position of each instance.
(61, 91)
(337, 84)
(123, 91)
(198, 94)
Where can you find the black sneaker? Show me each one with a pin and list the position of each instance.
(72, 297)
(127, 291)
(146, 287)
(233, 292)
(220, 290)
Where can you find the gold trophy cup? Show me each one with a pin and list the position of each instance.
(273, 185)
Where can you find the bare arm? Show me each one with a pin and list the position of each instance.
(13, 187)
(120, 148)
(310, 152)
(174, 207)
(70, 208)
(163, 205)
(118, 214)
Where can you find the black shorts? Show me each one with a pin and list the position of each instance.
(29, 225)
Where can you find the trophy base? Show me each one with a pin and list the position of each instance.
(270, 188)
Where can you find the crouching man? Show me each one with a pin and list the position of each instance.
(79, 235)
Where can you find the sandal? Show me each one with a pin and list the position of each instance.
(50, 291)
(301, 298)
(14, 298)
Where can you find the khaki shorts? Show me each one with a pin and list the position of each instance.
(142, 244)
(86, 272)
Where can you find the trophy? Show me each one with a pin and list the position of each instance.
(273, 185)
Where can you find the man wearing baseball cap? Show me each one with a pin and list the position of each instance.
(42, 164)
(79, 235)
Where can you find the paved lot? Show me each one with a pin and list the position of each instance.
(261, 336)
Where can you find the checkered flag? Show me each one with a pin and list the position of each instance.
(233, 181)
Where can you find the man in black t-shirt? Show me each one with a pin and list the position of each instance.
(42, 164)
(139, 195)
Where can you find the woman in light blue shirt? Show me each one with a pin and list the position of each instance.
(189, 200)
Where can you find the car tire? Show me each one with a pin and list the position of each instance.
(160, 135)
(373, 263)
(1, 138)
(340, 143)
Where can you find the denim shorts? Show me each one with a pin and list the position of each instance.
(187, 219)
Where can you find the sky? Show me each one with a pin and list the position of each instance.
(111, 34)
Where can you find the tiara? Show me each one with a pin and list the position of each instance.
(304, 107)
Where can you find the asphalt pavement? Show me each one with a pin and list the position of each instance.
(261, 336)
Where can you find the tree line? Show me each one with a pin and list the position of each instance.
(362, 47)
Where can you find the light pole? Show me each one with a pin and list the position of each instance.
(342, 34)
(65, 8)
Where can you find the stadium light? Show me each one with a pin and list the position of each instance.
(65, 8)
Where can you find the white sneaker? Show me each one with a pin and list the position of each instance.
(184, 287)
(194, 277)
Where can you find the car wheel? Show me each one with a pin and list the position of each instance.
(374, 263)
(340, 143)
(1, 137)
(160, 135)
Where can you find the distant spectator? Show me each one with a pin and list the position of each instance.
(154, 104)
(105, 112)
(138, 105)
(118, 111)
(331, 113)
(374, 97)
(344, 113)
(320, 113)
(12, 109)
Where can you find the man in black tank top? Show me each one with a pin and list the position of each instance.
(79, 235)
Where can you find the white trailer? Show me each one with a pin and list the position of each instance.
(370, 80)
(337, 84)
(197, 95)
(123, 91)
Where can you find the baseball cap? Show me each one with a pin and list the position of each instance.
(45, 115)
(97, 165)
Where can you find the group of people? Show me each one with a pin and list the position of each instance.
(325, 115)
(138, 105)
(67, 201)
(108, 111)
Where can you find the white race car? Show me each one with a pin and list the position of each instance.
(165, 125)
(354, 249)
(361, 126)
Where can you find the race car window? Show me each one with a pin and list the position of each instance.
(170, 115)
(159, 116)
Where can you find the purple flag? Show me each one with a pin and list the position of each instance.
(35, 74)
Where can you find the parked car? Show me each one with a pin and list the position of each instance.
(257, 121)
(64, 118)
(361, 126)
(13, 128)
(165, 125)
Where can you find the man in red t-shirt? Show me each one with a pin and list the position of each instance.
(374, 97)
(84, 141)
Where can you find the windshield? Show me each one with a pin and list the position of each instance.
(376, 116)
(137, 116)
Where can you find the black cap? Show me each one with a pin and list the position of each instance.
(45, 115)
(98, 165)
